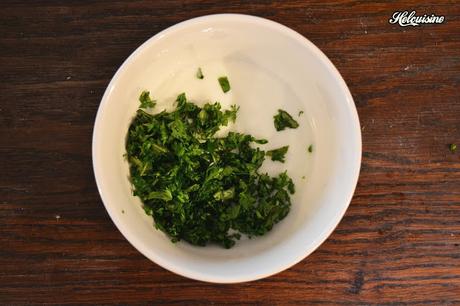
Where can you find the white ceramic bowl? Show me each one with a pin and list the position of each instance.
(269, 67)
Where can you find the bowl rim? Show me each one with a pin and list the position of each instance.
(192, 274)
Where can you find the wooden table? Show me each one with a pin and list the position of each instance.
(399, 241)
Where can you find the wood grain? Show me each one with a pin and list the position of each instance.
(399, 242)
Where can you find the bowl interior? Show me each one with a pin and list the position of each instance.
(269, 67)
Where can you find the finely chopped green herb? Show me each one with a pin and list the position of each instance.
(310, 148)
(224, 83)
(199, 74)
(283, 120)
(199, 187)
(145, 100)
(278, 154)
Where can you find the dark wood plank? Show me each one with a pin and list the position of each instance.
(399, 241)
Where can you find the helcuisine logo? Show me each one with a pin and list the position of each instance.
(407, 18)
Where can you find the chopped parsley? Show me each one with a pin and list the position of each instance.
(284, 120)
(199, 187)
(145, 100)
(224, 83)
(199, 74)
(453, 147)
(278, 154)
(310, 148)
(300, 113)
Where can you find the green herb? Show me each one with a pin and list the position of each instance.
(310, 148)
(301, 113)
(284, 120)
(199, 187)
(199, 74)
(453, 147)
(122, 211)
(278, 154)
(224, 83)
(145, 100)
(303, 177)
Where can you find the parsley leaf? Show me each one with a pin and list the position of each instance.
(199, 74)
(283, 120)
(278, 154)
(224, 84)
(146, 101)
